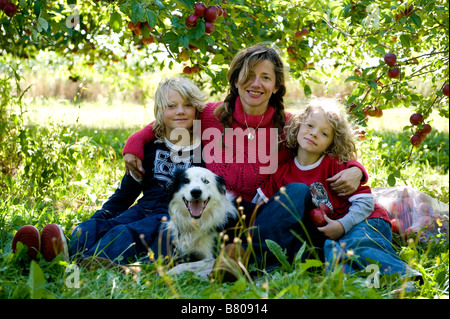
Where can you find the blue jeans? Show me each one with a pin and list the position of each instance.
(281, 221)
(119, 238)
(371, 243)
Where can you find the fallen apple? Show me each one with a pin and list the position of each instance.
(396, 226)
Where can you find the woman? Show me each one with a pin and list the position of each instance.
(253, 107)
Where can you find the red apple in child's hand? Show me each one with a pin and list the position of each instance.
(317, 218)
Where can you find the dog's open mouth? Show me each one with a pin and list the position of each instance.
(195, 207)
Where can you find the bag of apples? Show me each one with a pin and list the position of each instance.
(413, 213)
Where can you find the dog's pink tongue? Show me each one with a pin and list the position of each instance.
(196, 207)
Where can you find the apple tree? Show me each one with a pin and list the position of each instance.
(384, 48)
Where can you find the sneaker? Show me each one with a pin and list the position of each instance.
(29, 236)
(53, 243)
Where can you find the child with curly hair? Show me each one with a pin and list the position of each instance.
(323, 139)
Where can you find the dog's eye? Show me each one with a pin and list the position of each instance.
(204, 180)
(186, 181)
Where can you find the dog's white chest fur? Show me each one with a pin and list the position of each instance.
(199, 206)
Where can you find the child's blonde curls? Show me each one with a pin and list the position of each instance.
(343, 146)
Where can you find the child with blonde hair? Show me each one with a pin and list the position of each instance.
(323, 140)
(123, 228)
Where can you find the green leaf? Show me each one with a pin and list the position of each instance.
(372, 40)
(151, 18)
(198, 31)
(405, 39)
(279, 254)
(380, 49)
(299, 255)
(138, 13)
(416, 20)
(218, 59)
(373, 84)
(391, 180)
(353, 78)
(307, 90)
(36, 281)
(184, 40)
(170, 37)
(116, 21)
(42, 24)
(310, 263)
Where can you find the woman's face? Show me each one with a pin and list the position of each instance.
(257, 90)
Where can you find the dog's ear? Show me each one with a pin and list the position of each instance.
(221, 184)
(173, 186)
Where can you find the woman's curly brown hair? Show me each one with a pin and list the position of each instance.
(343, 146)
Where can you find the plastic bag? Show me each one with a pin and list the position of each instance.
(413, 213)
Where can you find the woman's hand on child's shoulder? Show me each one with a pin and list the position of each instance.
(133, 164)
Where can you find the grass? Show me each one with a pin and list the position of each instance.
(73, 163)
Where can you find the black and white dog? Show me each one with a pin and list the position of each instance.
(199, 206)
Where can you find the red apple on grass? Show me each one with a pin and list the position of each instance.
(317, 218)
(396, 226)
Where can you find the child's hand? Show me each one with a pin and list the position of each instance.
(333, 229)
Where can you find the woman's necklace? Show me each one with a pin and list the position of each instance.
(250, 134)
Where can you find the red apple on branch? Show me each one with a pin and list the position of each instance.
(209, 27)
(394, 73)
(199, 9)
(416, 139)
(390, 59)
(10, 9)
(211, 14)
(445, 90)
(416, 118)
(191, 21)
